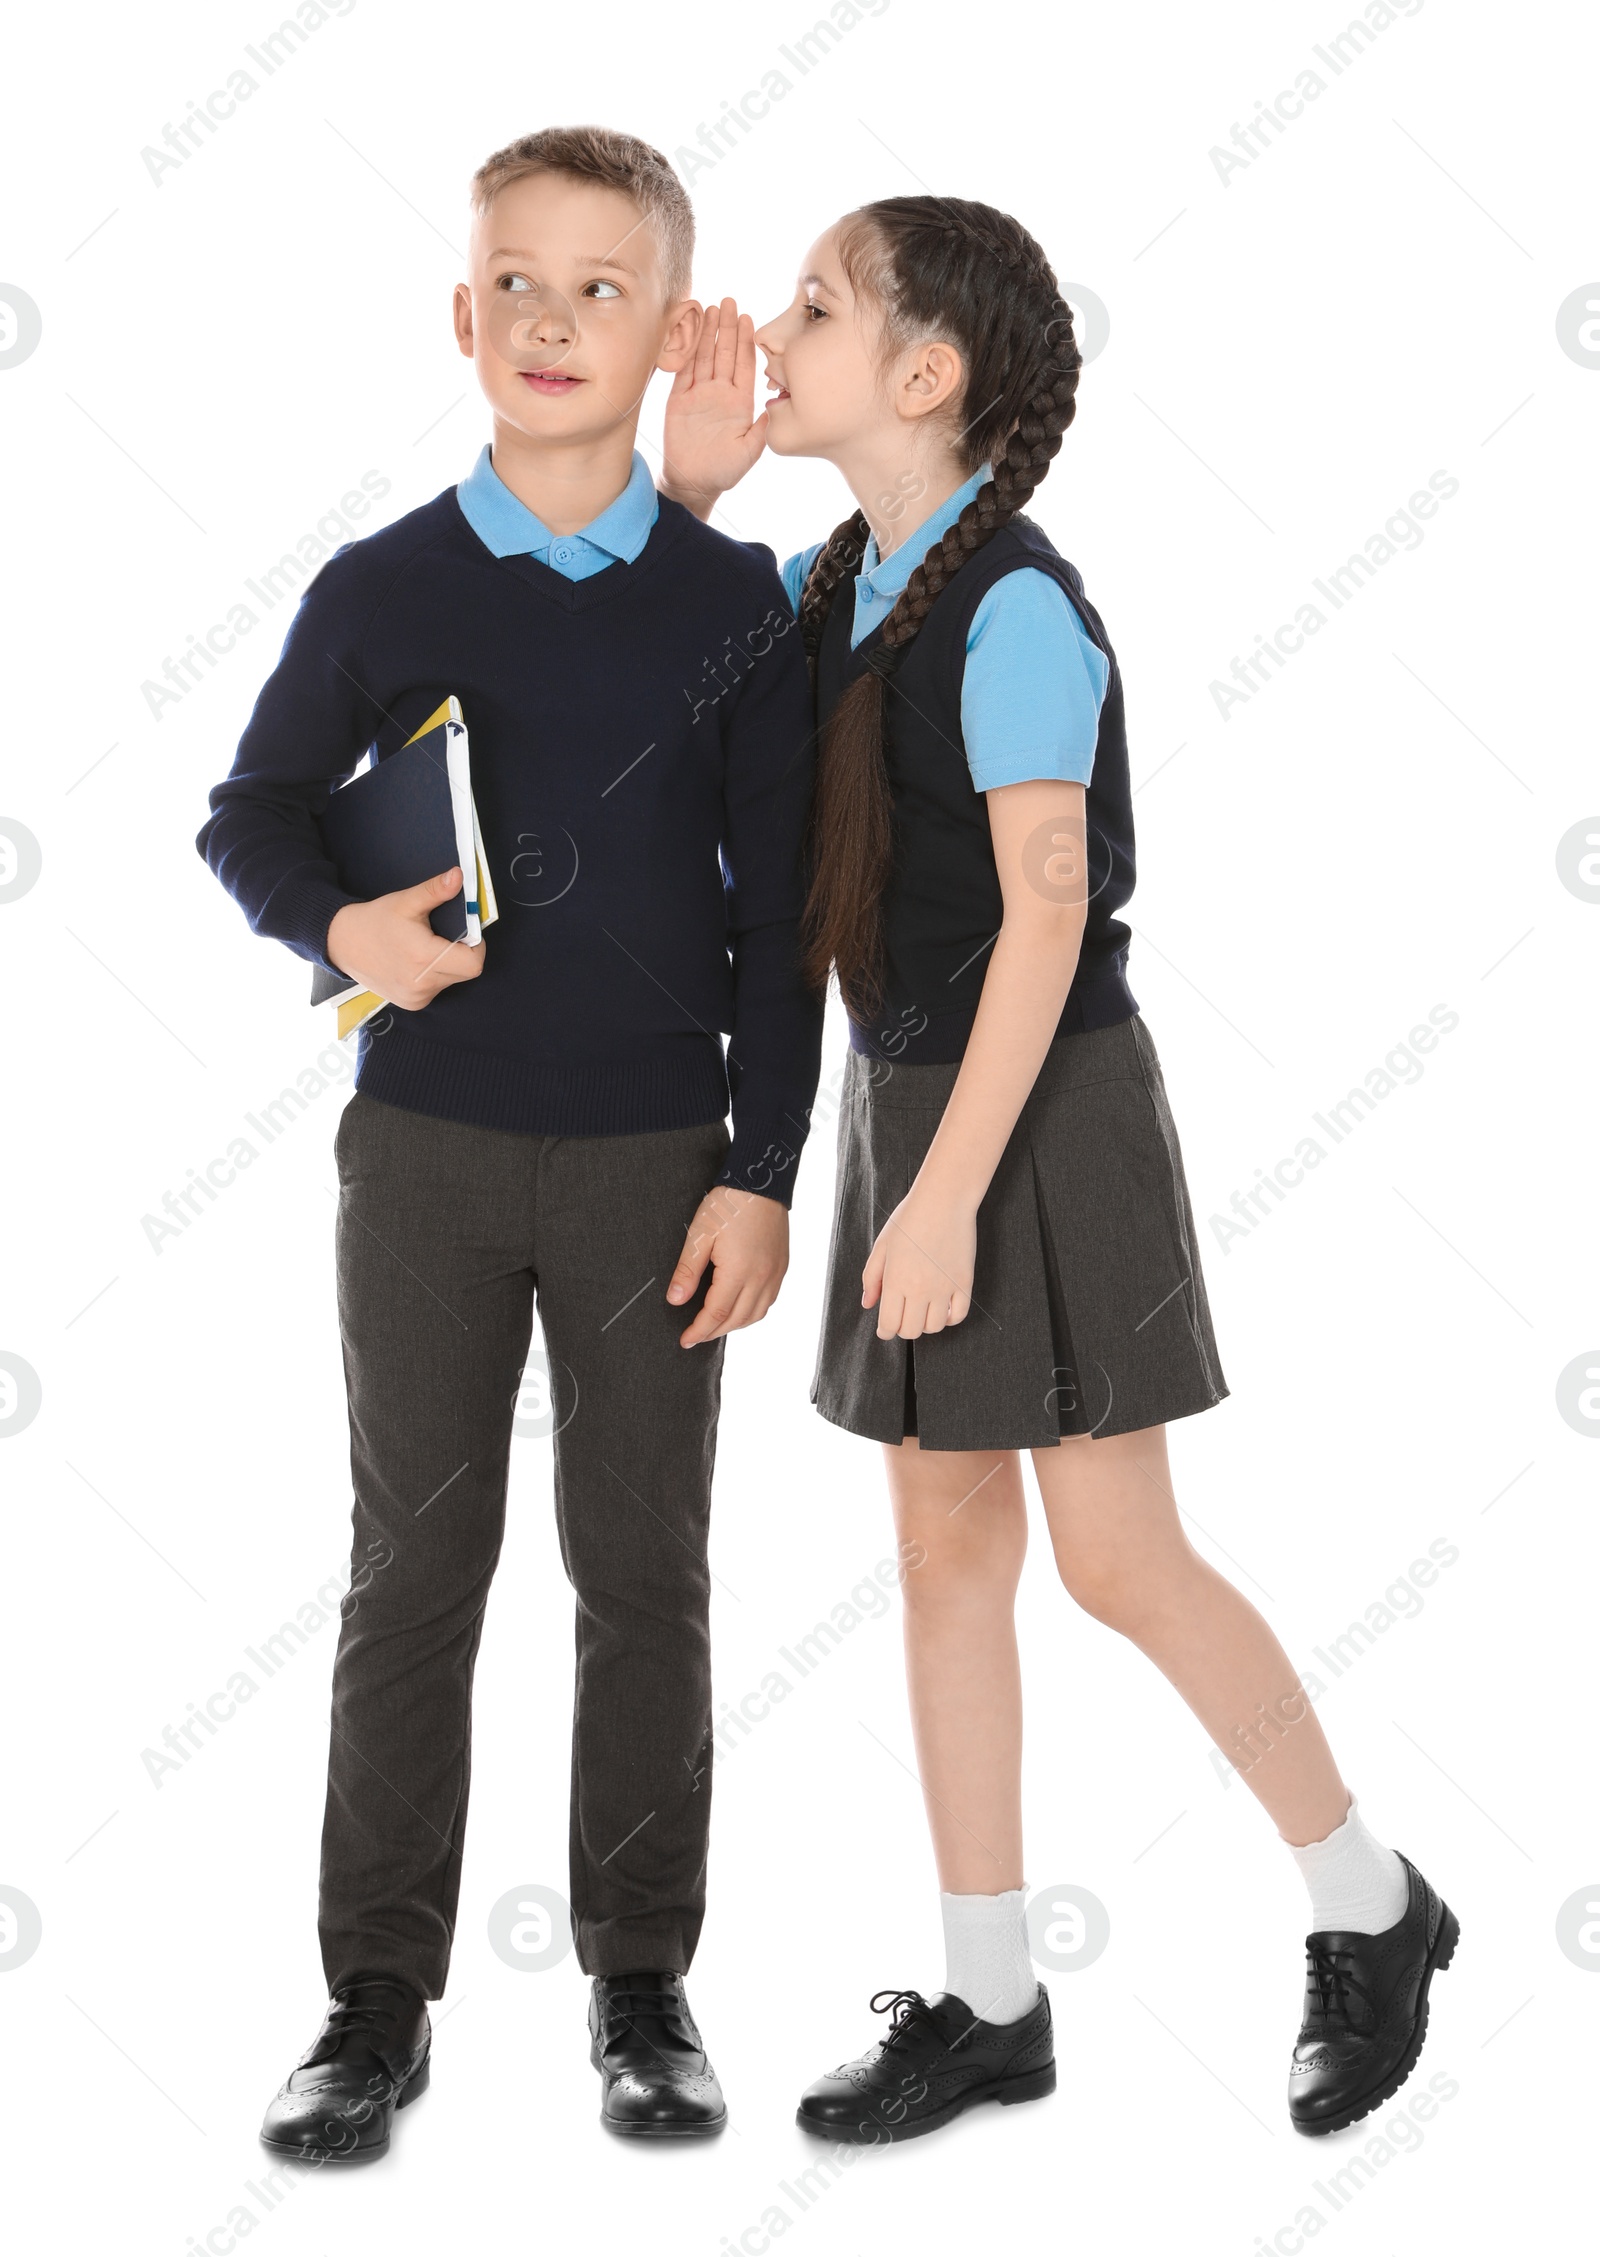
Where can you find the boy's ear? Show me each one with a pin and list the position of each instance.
(461, 314)
(683, 330)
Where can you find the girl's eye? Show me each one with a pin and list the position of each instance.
(811, 307)
(609, 287)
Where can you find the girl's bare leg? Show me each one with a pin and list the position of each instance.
(1123, 1555)
(963, 1529)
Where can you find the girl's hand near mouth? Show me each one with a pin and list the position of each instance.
(713, 434)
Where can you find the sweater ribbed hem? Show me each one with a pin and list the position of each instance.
(486, 1090)
(1103, 998)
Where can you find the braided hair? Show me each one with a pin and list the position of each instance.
(938, 267)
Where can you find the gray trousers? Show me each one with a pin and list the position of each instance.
(448, 1236)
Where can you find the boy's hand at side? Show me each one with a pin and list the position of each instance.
(389, 945)
(712, 433)
(746, 1239)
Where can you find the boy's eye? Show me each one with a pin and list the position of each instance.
(609, 287)
(519, 285)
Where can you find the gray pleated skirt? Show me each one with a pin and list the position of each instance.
(1089, 1311)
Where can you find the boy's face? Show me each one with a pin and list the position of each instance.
(565, 317)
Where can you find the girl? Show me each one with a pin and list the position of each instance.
(1011, 1193)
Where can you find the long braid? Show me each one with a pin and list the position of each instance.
(837, 562)
(939, 260)
(850, 838)
(1030, 448)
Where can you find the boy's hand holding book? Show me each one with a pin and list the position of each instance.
(390, 947)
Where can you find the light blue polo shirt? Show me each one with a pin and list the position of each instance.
(1034, 681)
(507, 527)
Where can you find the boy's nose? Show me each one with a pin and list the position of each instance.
(535, 326)
(540, 322)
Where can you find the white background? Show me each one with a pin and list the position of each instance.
(1292, 352)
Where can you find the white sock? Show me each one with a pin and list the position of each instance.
(986, 1958)
(1355, 1883)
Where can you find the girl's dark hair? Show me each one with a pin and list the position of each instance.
(939, 268)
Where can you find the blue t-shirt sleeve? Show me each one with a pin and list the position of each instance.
(1033, 687)
(796, 572)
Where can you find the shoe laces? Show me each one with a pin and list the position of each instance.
(352, 2015)
(910, 2011)
(1336, 1986)
(623, 2004)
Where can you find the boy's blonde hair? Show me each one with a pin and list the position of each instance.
(614, 160)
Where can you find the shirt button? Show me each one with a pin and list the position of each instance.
(866, 595)
(562, 555)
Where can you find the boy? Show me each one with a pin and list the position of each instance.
(543, 1116)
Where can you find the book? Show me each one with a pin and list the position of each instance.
(400, 821)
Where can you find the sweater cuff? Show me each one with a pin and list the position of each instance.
(299, 911)
(764, 1155)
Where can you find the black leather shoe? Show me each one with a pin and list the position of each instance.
(370, 2057)
(655, 2080)
(1367, 2011)
(936, 2060)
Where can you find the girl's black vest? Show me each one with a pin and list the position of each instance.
(942, 907)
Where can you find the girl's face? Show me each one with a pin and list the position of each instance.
(823, 366)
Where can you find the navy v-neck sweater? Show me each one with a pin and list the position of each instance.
(641, 763)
